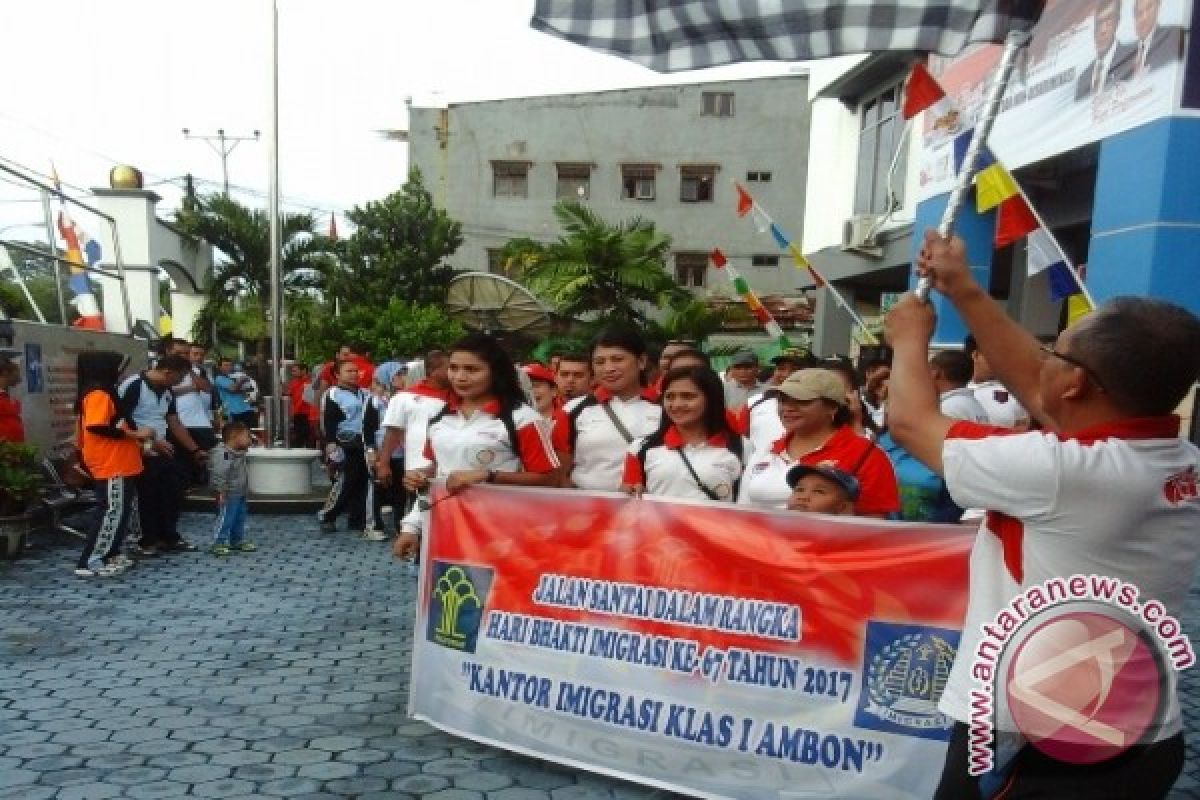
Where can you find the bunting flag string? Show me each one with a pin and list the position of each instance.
(747, 205)
(742, 287)
(80, 249)
(995, 188)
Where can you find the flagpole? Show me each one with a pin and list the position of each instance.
(1013, 45)
(275, 435)
(52, 240)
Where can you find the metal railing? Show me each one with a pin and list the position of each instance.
(119, 275)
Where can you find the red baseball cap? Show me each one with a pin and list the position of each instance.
(537, 372)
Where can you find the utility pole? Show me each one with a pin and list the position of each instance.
(222, 145)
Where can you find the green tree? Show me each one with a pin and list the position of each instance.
(242, 235)
(40, 279)
(694, 320)
(598, 270)
(398, 249)
(400, 329)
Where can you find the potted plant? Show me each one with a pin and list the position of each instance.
(20, 484)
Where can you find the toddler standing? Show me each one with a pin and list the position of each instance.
(227, 475)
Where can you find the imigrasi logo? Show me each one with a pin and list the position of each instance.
(1079, 667)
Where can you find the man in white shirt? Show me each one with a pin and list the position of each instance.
(742, 379)
(194, 400)
(951, 371)
(406, 423)
(1109, 489)
(1000, 405)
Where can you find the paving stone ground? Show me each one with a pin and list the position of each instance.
(282, 673)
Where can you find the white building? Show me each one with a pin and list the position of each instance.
(862, 197)
(669, 153)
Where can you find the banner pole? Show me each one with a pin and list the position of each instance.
(1013, 45)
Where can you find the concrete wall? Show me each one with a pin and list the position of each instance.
(47, 392)
(147, 245)
(833, 161)
(768, 132)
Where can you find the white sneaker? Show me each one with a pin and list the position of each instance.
(103, 571)
(374, 535)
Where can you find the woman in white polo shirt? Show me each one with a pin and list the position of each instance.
(602, 426)
(694, 454)
(486, 434)
(817, 430)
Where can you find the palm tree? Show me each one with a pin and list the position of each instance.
(693, 320)
(243, 278)
(599, 270)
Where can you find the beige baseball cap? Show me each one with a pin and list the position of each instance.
(813, 384)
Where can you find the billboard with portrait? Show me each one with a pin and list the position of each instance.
(1094, 68)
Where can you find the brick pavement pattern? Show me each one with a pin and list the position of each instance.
(281, 673)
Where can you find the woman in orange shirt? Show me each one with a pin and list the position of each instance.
(110, 446)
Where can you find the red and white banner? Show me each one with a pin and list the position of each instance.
(699, 647)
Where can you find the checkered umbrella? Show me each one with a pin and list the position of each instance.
(673, 35)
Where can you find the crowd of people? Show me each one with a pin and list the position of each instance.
(146, 438)
(1067, 456)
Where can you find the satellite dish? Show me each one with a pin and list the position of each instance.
(494, 304)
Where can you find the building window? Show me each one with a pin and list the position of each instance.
(495, 260)
(637, 181)
(758, 177)
(574, 182)
(696, 184)
(765, 261)
(717, 104)
(879, 135)
(690, 269)
(510, 178)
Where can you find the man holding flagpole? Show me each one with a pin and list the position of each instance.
(1107, 489)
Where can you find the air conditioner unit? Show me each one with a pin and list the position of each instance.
(860, 233)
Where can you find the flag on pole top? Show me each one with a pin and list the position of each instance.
(718, 258)
(694, 34)
(1015, 220)
(745, 201)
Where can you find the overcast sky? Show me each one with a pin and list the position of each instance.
(89, 83)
